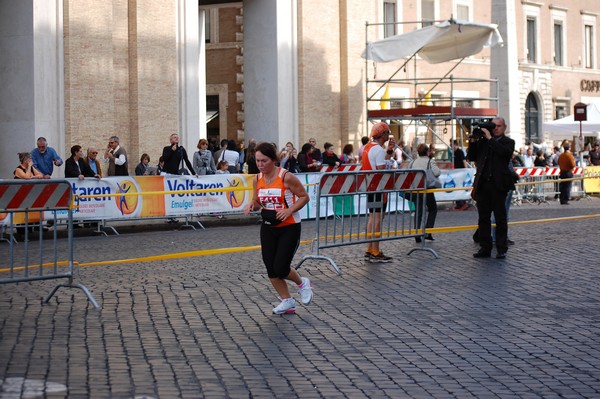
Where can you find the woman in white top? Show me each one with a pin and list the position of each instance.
(425, 160)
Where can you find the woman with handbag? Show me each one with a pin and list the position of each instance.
(426, 162)
(279, 195)
(203, 162)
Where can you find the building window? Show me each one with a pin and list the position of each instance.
(588, 50)
(427, 12)
(462, 10)
(558, 43)
(560, 111)
(389, 18)
(207, 27)
(531, 39)
(532, 131)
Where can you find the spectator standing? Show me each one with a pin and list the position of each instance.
(364, 141)
(92, 161)
(566, 163)
(555, 155)
(232, 157)
(203, 162)
(175, 156)
(280, 196)
(75, 167)
(426, 161)
(517, 160)
(459, 163)
(218, 152)
(594, 154)
(348, 154)
(26, 170)
(251, 159)
(292, 162)
(160, 168)
(529, 159)
(316, 153)
(329, 157)
(285, 153)
(242, 156)
(305, 160)
(45, 158)
(223, 167)
(116, 156)
(492, 153)
(375, 157)
(540, 159)
(142, 168)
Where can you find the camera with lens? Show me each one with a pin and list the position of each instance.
(477, 126)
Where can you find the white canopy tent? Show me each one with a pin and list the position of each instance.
(567, 127)
(438, 43)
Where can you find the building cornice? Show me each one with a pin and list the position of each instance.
(532, 3)
(558, 7)
(591, 13)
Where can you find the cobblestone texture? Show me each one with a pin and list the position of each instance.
(419, 327)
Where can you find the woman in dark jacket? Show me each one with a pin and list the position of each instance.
(305, 161)
(329, 157)
(251, 159)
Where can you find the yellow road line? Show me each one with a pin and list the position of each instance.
(220, 251)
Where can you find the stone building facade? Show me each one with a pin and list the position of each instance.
(79, 71)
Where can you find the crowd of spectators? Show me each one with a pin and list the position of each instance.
(232, 157)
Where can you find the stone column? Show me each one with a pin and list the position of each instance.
(189, 89)
(31, 72)
(270, 71)
(505, 68)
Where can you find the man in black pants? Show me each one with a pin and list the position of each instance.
(492, 152)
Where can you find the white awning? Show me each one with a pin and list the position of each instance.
(210, 115)
(567, 127)
(442, 42)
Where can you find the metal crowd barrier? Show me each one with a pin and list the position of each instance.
(28, 205)
(342, 217)
(539, 184)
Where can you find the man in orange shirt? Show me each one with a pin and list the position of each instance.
(566, 163)
(375, 157)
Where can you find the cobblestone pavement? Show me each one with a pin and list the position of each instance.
(201, 327)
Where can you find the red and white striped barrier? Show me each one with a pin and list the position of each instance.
(332, 184)
(40, 195)
(547, 171)
(552, 171)
(347, 167)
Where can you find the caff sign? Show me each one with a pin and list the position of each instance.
(580, 112)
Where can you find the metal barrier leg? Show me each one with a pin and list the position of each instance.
(104, 226)
(99, 230)
(424, 248)
(186, 224)
(71, 285)
(331, 262)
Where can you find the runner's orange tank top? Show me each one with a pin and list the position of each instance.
(366, 163)
(276, 196)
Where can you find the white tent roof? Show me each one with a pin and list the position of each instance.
(442, 42)
(567, 127)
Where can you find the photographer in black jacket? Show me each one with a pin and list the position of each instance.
(492, 151)
(174, 156)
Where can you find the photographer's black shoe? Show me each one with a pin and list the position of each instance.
(482, 254)
(501, 255)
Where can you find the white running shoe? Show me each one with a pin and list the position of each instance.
(305, 291)
(287, 306)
